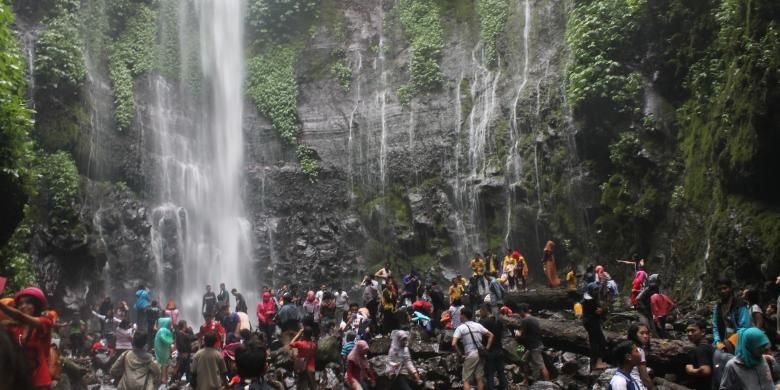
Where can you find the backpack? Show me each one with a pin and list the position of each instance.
(630, 384)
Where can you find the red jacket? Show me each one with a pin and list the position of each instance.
(266, 310)
(660, 305)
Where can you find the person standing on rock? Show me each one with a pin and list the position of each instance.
(266, 311)
(384, 273)
(592, 315)
(729, 316)
(389, 300)
(359, 374)
(550, 268)
(494, 362)
(209, 303)
(342, 302)
(470, 333)
(223, 298)
(305, 364)
(142, 302)
(240, 301)
(289, 317)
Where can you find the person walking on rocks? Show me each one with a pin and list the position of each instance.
(136, 367)
(240, 301)
(399, 362)
(530, 335)
(470, 333)
(359, 374)
(208, 366)
(305, 359)
(494, 362)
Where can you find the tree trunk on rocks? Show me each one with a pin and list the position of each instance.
(540, 299)
(664, 356)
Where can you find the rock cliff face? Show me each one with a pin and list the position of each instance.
(492, 157)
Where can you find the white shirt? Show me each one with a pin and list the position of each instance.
(635, 371)
(462, 333)
(620, 381)
(342, 300)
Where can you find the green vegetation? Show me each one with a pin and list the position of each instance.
(600, 35)
(421, 22)
(275, 21)
(16, 153)
(492, 20)
(131, 55)
(340, 69)
(279, 29)
(271, 84)
(16, 263)
(59, 59)
(57, 199)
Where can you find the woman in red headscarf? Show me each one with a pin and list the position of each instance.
(32, 331)
(549, 265)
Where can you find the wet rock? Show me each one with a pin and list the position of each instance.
(328, 351)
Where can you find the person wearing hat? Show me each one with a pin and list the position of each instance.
(32, 331)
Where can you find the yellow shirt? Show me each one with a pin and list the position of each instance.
(509, 260)
(478, 266)
(571, 281)
(455, 292)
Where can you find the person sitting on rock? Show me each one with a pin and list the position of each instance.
(628, 356)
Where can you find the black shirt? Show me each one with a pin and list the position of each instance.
(240, 303)
(532, 333)
(702, 356)
(496, 327)
(209, 302)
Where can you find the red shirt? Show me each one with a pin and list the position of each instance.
(215, 327)
(306, 350)
(423, 306)
(660, 305)
(36, 350)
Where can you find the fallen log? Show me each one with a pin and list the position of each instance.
(542, 298)
(665, 356)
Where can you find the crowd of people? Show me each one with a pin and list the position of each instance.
(145, 345)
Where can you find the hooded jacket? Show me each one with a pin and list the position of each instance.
(738, 318)
(138, 370)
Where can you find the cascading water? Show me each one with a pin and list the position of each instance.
(199, 232)
(513, 162)
(469, 229)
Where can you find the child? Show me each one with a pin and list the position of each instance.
(640, 335)
(628, 356)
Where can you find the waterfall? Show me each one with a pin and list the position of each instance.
(382, 100)
(351, 136)
(513, 162)
(199, 231)
(469, 231)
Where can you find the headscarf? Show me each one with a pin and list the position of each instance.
(399, 352)
(549, 247)
(357, 355)
(164, 337)
(748, 340)
(516, 255)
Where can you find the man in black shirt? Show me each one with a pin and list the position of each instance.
(699, 370)
(530, 335)
(240, 302)
(209, 305)
(494, 364)
(223, 298)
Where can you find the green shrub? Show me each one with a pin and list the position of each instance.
(307, 158)
(271, 84)
(492, 20)
(59, 58)
(420, 20)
